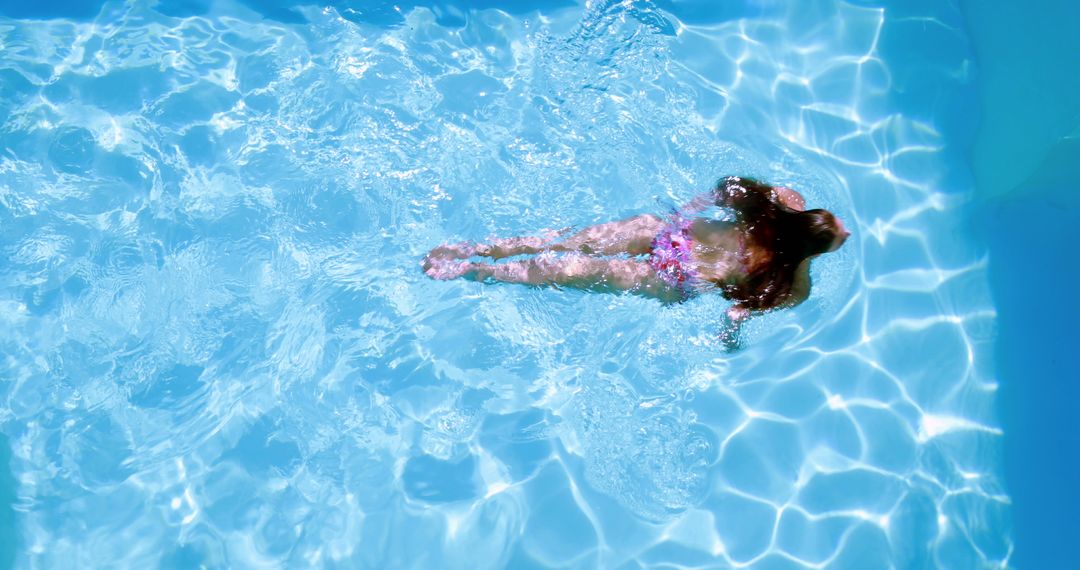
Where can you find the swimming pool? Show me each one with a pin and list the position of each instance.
(220, 349)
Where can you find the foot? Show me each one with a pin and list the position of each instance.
(444, 269)
(461, 250)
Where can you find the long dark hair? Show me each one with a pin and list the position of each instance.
(789, 235)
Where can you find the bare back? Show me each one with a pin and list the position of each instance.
(727, 254)
(718, 251)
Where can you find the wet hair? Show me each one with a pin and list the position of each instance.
(790, 236)
(806, 233)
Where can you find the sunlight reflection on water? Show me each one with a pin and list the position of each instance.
(220, 348)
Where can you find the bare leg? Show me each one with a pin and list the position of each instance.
(498, 248)
(574, 270)
(632, 236)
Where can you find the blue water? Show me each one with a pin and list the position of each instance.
(218, 347)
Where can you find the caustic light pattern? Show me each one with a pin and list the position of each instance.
(218, 347)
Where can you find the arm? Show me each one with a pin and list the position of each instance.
(729, 331)
(699, 204)
(738, 313)
(744, 195)
(733, 193)
(800, 286)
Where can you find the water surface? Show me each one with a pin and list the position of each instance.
(220, 348)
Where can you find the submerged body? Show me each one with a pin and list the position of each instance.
(760, 260)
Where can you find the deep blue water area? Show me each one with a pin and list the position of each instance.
(8, 530)
(1026, 160)
(1034, 285)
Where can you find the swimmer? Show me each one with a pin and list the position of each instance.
(760, 260)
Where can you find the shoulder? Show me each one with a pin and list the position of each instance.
(790, 287)
(789, 198)
(800, 285)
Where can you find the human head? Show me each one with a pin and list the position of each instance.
(822, 231)
(842, 234)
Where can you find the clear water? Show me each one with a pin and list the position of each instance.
(218, 347)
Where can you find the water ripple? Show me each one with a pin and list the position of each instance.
(219, 349)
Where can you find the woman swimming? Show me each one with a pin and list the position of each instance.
(760, 260)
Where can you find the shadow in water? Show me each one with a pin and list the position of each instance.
(1034, 276)
(73, 9)
(8, 536)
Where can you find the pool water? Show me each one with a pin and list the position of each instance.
(219, 349)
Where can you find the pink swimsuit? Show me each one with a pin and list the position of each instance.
(670, 256)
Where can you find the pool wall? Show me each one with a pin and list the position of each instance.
(1026, 161)
(8, 533)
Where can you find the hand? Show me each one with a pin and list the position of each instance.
(729, 334)
(738, 314)
(729, 338)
